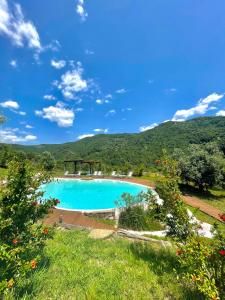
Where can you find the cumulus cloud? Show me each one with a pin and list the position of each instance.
(83, 136)
(201, 108)
(13, 106)
(62, 116)
(58, 64)
(121, 91)
(49, 97)
(13, 136)
(20, 31)
(101, 130)
(144, 128)
(221, 113)
(10, 104)
(81, 10)
(72, 82)
(29, 126)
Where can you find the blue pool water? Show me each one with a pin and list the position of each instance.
(89, 195)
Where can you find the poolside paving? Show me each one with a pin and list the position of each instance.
(74, 218)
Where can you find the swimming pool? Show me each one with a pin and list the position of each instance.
(98, 194)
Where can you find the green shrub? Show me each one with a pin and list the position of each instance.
(21, 237)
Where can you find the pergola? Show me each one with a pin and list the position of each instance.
(77, 162)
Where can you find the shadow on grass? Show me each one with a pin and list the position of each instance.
(210, 194)
(162, 262)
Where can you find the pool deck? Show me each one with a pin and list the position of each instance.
(76, 218)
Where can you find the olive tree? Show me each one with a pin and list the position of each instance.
(202, 165)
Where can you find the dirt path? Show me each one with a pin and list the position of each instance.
(204, 207)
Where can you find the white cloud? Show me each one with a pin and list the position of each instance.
(20, 31)
(171, 90)
(59, 114)
(144, 128)
(126, 109)
(13, 136)
(89, 52)
(79, 109)
(81, 10)
(49, 97)
(121, 91)
(109, 96)
(201, 108)
(22, 113)
(111, 112)
(83, 136)
(58, 64)
(13, 63)
(29, 126)
(101, 130)
(10, 104)
(99, 101)
(221, 113)
(72, 82)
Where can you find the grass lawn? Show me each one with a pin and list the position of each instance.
(3, 173)
(77, 267)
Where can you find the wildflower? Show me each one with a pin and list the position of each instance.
(57, 201)
(15, 241)
(33, 264)
(222, 217)
(10, 283)
(34, 203)
(179, 252)
(45, 231)
(222, 252)
(157, 162)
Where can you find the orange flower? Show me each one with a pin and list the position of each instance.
(179, 252)
(10, 283)
(33, 264)
(45, 231)
(15, 241)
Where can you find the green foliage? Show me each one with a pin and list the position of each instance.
(47, 161)
(134, 216)
(6, 155)
(142, 148)
(21, 237)
(173, 211)
(203, 264)
(204, 166)
(138, 170)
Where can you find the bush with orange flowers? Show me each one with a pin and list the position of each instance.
(22, 235)
(203, 264)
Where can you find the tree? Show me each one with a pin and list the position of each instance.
(204, 166)
(6, 154)
(22, 235)
(47, 161)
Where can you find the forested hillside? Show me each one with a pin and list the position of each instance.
(145, 147)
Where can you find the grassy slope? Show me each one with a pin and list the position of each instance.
(80, 268)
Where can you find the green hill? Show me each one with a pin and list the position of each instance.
(145, 147)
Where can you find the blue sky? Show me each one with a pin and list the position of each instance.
(75, 68)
